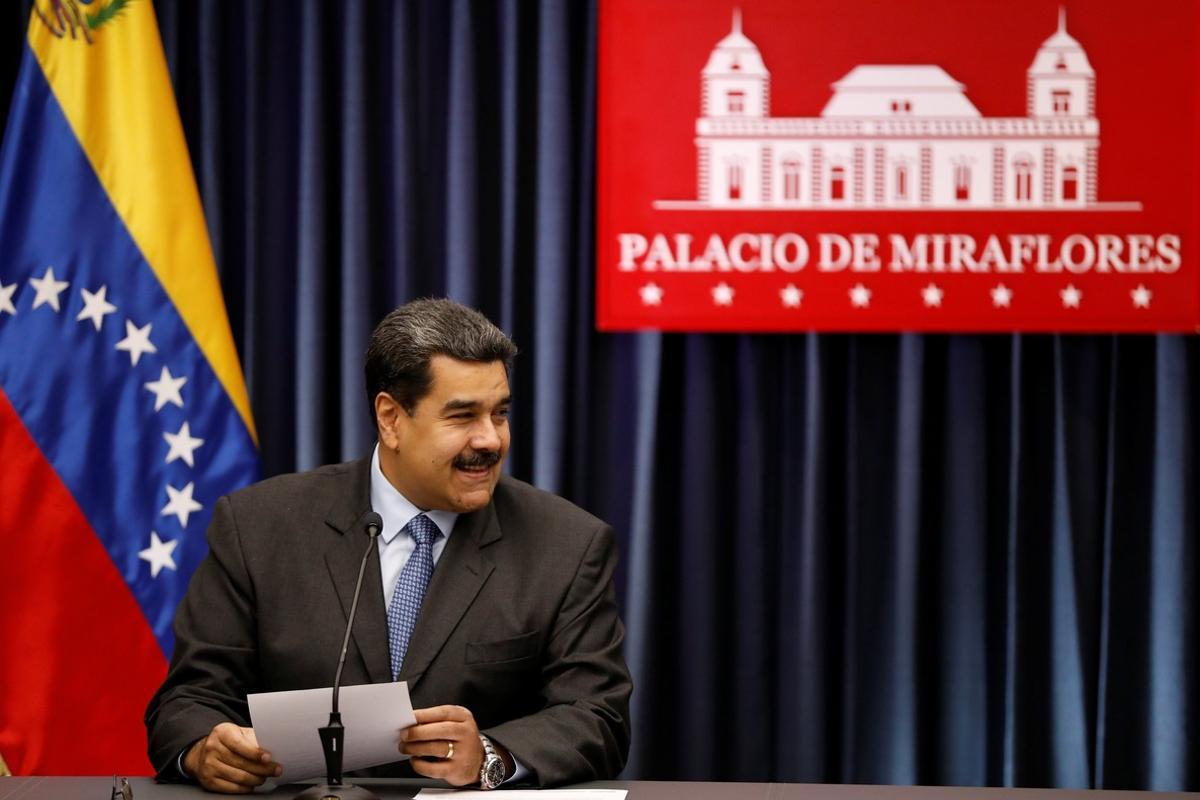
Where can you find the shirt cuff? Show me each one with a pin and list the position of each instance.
(183, 776)
(519, 772)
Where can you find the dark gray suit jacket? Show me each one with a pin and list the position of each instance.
(519, 623)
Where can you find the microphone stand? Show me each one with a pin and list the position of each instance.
(333, 734)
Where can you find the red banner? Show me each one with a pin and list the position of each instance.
(872, 165)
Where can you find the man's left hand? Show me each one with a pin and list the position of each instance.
(429, 743)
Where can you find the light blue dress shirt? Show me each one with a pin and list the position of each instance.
(397, 511)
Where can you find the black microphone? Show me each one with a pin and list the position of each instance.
(333, 734)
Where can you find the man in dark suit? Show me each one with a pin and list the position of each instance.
(494, 600)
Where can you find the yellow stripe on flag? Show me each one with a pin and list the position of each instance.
(108, 90)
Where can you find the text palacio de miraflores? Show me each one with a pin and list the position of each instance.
(748, 252)
(1060, 125)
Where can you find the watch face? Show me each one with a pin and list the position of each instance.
(493, 771)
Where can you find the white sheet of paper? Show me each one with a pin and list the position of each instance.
(529, 794)
(285, 724)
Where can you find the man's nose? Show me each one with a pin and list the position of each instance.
(486, 436)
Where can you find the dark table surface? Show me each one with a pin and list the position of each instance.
(100, 788)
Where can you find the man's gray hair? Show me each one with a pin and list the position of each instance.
(407, 339)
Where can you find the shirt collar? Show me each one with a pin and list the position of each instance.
(396, 509)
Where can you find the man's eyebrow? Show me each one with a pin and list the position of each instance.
(460, 405)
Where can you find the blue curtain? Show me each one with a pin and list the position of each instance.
(896, 559)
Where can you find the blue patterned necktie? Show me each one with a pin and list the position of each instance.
(410, 589)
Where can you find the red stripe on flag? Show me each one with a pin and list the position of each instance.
(80, 662)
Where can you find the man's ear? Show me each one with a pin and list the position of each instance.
(389, 417)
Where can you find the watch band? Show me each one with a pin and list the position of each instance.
(493, 772)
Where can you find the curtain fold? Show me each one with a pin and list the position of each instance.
(962, 712)
(1173, 555)
(876, 558)
(357, 196)
(1068, 725)
(309, 327)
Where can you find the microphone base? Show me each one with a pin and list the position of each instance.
(341, 791)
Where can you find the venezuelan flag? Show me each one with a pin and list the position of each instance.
(123, 411)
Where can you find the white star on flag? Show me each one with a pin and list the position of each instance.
(722, 294)
(48, 289)
(652, 294)
(95, 307)
(932, 295)
(860, 296)
(158, 554)
(1002, 296)
(790, 296)
(136, 341)
(183, 444)
(181, 503)
(1141, 296)
(6, 296)
(166, 389)
(1071, 296)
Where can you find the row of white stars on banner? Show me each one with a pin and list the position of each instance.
(167, 389)
(791, 296)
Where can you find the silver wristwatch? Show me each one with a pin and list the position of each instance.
(493, 773)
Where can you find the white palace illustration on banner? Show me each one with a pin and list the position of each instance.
(898, 137)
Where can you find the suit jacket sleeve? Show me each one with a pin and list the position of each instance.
(213, 666)
(582, 731)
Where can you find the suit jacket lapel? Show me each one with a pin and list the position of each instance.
(460, 574)
(348, 516)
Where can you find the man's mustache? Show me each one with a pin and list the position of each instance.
(478, 459)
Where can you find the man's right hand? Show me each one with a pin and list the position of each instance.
(229, 760)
